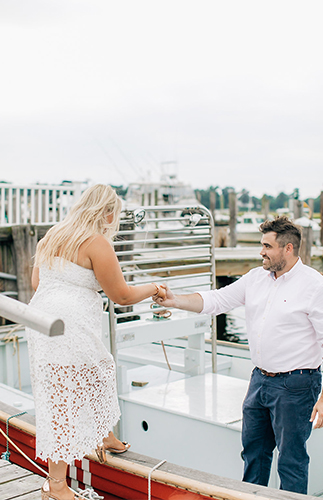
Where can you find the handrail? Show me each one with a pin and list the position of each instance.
(36, 203)
(163, 247)
(22, 313)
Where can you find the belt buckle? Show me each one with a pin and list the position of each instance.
(268, 374)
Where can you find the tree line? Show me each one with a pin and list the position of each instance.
(220, 199)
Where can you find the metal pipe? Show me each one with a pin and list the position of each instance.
(37, 320)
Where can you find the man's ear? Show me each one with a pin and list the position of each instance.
(290, 248)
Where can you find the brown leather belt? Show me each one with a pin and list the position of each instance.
(268, 374)
(304, 370)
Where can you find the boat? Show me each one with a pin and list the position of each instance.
(247, 228)
(165, 191)
(179, 403)
(130, 477)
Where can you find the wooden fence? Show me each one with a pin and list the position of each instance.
(36, 204)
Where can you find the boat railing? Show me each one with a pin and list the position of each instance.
(21, 313)
(37, 203)
(165, 247)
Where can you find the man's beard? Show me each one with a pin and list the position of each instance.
(274, 266)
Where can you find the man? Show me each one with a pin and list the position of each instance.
(284, 313)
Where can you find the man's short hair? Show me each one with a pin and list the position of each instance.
(286, 232)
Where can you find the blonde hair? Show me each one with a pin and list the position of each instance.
(87, 217)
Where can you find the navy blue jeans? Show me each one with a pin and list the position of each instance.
(276, 412)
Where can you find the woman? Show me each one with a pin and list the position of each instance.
(73, 375)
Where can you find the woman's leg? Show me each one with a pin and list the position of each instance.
(60, 489)
(112, 442)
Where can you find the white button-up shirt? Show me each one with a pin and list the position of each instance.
(284, 316)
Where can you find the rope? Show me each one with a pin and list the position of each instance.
(165, 354)
(7, 454)
(23, 454)
(88, 493)
(149, 477)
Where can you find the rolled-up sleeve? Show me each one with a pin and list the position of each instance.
(224, 299)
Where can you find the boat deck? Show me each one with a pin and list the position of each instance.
(18, 483)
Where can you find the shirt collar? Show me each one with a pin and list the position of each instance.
(289, 274)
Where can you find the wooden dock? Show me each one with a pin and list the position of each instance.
(18, 483)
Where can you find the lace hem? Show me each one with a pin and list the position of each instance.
(69, 458)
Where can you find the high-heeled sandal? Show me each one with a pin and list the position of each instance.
(47, 495)
(101, 451)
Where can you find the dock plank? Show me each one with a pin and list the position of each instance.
(18, 483)
(12, 472)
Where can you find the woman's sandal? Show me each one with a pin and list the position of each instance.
(87, 494)
(46, 493)
(101, 451)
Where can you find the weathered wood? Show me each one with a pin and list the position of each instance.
(298, 209)
(306, 245)
(311, 207)
(221, 237)
(233, 218)
(11, 472)
(25, 241)
(18, 488)
(265, 206)
(212, 201)
(4, 463)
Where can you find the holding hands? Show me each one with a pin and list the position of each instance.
(164, 296)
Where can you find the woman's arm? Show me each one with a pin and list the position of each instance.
(35, 278)
(108, 273)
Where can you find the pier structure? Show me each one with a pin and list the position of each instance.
(27, 212)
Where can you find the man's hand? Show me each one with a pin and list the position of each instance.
(188, 302)
(318, 411)
(168, 300)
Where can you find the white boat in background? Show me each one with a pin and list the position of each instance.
(316, 228)
(166, 192)
(248, 227)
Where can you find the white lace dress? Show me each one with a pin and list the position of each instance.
(73, 376)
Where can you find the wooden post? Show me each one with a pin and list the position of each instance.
(233, 218)
(306, 245)
(298, 209)
(321, 214)
(212, 202)
(24, 241)
(311, 207)
(265, 206)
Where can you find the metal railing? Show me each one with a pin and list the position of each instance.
(22, 313)
(173, 245)
(36, 204)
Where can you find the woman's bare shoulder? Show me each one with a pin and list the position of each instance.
(93, 248)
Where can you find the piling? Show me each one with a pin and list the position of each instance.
(233, 218)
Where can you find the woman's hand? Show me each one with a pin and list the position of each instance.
(164, 297)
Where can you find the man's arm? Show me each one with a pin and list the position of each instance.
(211, 301)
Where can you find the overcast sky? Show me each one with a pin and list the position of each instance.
(108, 90)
